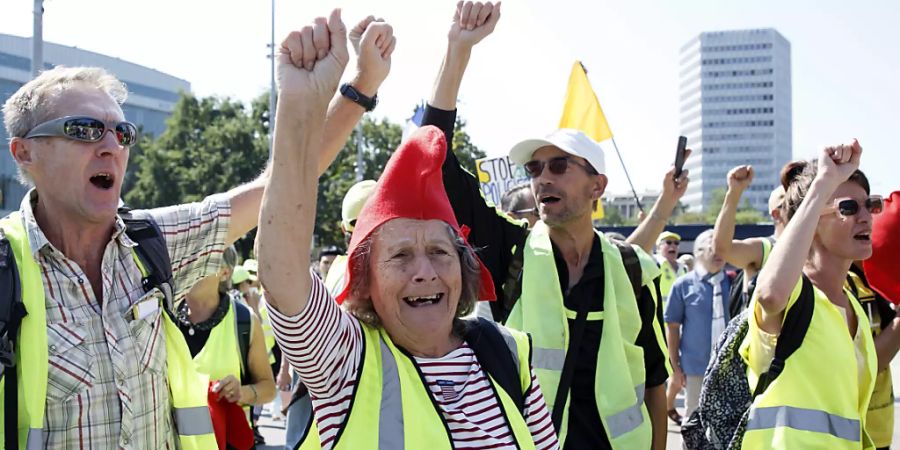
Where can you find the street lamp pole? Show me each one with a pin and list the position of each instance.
(37, 39)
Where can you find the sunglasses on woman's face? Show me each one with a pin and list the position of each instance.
(850, 207)
(557, 166)
(85, 129)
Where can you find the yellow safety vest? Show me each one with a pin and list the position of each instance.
(620, 372)
(268, 332)
(393, 409)
(816, 401)
(667, 277)
(190, 406)
(880, 416)
(334, 281)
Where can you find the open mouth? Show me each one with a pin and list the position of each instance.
(549, 199)
(416, 302)
(865, 237)
(103, 180)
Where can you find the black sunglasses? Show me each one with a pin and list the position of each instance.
(557, 166)
(850, 207)
(84, 129)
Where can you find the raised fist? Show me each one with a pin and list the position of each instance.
(373, 41)
(838, 162)
(740, 177)
(312, 60)
(472, 22)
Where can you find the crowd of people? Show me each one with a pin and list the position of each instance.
(447, 322)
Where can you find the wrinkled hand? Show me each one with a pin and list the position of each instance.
(838, 162)
(374, 42)
(472, 22)
(312, 60)
(675, 188)
(229, 389)
(740, 177)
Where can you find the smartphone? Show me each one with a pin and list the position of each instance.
(679, 156)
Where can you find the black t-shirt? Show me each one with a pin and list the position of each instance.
(495, 237)
(197, 341)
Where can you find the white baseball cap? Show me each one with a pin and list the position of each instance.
(573, 142)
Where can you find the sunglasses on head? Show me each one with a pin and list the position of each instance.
(85, 129)
(557, 166)
(849, 207)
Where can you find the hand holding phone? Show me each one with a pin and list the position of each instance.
(680, 155)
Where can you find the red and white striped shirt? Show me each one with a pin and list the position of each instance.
(324, 345)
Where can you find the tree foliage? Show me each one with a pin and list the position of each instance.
(746, 214)
(213, 144)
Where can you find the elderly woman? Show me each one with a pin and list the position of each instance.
(821, 396)
(398, 368)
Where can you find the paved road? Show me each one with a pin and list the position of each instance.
(274, 431)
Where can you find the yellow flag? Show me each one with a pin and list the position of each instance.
(582, 110)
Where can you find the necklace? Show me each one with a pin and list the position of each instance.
(183, 312)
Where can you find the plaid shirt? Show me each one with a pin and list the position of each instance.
(107, 374)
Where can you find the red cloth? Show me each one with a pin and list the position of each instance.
(883, 268)
(412, 187)
(229, 422)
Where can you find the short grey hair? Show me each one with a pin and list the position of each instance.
(34, 102)
(703, 241)
(359, 303)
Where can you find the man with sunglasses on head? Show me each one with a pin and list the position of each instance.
(107, 348)
(598, 350)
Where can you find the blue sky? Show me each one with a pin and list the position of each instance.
(845, 62)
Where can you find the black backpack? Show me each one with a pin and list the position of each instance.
(720, 420)
(154, 256)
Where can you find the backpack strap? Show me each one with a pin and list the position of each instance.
(152, 251)
(497, 355)
(632, 266)
(12, 311)
(512, 286)
(244, 324)
(796, 324)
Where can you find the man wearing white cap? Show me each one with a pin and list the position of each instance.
(598, 353)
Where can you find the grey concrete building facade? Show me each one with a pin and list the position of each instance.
(735, 108)
(151, 96)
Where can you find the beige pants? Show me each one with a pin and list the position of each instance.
(692, 394)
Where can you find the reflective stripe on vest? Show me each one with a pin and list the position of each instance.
(32, 395)
(540, 311)
(390, 420)
(629, 419)
(804, 419)
(822, 411)
(411, 421)
(193, 421)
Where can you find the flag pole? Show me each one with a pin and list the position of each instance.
(628, 177)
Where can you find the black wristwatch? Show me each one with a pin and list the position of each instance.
(368, 103)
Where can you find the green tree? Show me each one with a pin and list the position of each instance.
(746, 214)
(210, 145)
(213, 144)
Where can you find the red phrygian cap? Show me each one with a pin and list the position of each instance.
(411, 187)
(883, 268)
